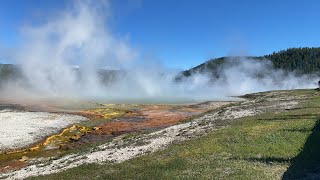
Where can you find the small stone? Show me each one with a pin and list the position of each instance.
(270, 163)
(23, 159)
(96, 128)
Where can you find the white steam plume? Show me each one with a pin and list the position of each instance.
(80, 36)
(245, 75)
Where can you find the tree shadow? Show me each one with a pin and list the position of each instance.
(306, 165)
(265, 160)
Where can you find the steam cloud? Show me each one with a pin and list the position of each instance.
(80, 36)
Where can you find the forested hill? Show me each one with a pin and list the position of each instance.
(304, 60)
(301, 60)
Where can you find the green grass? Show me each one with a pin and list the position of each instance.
(259, 147)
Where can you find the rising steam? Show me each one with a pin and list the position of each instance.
(60, 58)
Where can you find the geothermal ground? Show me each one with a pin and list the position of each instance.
(21, 129)
(29, 134)
(260, 137)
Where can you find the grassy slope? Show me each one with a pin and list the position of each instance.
(259, 147)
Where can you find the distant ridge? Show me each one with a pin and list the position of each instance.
(304, 60)
(11, 72)
(301, 60)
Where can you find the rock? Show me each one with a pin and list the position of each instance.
(24, 159)
(96, 128)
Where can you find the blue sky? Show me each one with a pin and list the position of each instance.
(185, 33)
